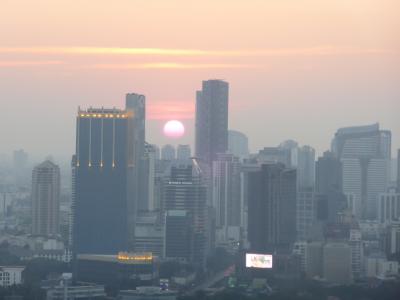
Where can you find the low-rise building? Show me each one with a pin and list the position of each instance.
(147, 293)
(11, 275)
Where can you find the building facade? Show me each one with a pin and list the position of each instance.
(211, 120)
(46, 199)
(104, 208)
(271, 207)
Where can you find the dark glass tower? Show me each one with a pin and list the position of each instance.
(271, 208)
(104, 206)
(212, 120)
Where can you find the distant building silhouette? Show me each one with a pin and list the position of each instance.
(306, 168)
(168, 152)
(211, 120)
(46, 199)
(271, 208)
(183, 152)
(104, 208)
(365, 153)
(238, 144)
(275, 155)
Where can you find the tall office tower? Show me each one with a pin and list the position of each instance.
(226, 194)
(135, 104)
(184, 190)
(272, 208)
(45, 199)
(306, 168)
(305, 213)
(157, 151)
(398, 170)
(330, 199)
(275, 155)
(211, 120)
(183, 152)
(328, 171)
(238, 144)
(73, 199)
(168, 152)
(148, 173)
(293, 147)
(105, 206)
(365, 153)
(178, 235)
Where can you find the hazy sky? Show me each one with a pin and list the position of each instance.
(297, 69)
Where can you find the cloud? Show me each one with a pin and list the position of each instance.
(171, 65)
(306, 51)
(30, 63)
(168, 110)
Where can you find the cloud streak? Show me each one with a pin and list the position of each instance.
(30, 63)
(125, 51)
(171, 65)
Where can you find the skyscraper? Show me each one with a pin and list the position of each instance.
(104, 201)
(45, 199)
(365, 153)
(168, 152)
(238, 143)
(136, 105)
(226, 193)
(398, 170)
(184, 190)
(271, 208)
(211, 120)
(183, 152)
(275, 155)
(305, 168)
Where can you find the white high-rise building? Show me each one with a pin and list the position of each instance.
(389, 207)
(238, 144)
(226, 194)
(365, 153)
(45, 199)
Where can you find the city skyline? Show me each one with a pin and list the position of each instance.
(339, 58)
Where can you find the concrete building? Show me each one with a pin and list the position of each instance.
(211, 125)
(271, 208)
(314, 260)
(149, 234)
(389, 207)
(379, 266)
(305, 213)
(183, 152)
(168, 152)
(178, 235)
(337, 263)
(46, 199)
(275, 155)
(105, 204)
(147, 201)
(365, 153)
(238, 144)
(135, 105)
(184, 189)
(226, 191)
(10, 275)
(357, 253)
(305, 168)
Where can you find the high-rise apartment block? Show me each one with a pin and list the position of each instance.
(45, 199)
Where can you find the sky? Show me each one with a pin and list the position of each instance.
(297, 69)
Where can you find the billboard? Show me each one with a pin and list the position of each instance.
(260, 261)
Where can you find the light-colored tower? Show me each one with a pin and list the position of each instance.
(45, 199)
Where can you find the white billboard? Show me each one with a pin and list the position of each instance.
(260, 261)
